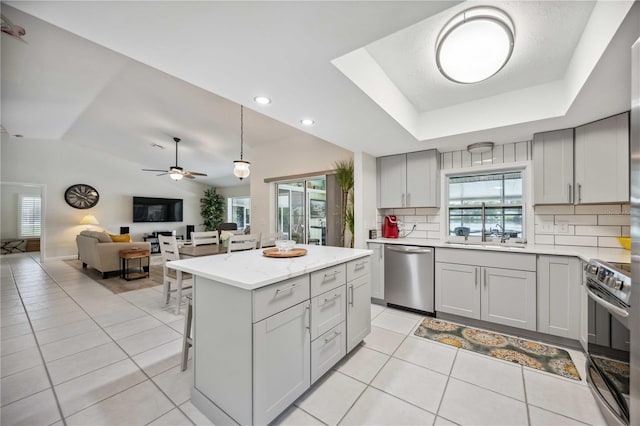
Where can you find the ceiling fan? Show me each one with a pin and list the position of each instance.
(176, 172)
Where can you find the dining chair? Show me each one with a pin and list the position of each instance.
(243, 242)
(269, 239)
(202, 238)
(182, 281)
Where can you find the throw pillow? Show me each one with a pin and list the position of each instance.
(102, 237)
(124, 238)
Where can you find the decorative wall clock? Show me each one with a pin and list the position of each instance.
(81, 196)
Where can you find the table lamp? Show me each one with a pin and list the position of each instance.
(89, 220)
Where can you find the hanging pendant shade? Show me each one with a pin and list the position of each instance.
(241, 167)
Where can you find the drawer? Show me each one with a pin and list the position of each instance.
(328, 310)
(274, 298)
(328, 279)
(327, 350)
(358, 268)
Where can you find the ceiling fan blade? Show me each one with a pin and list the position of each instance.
(162, 174)
(153, 170)
(197, 173)
(188, 176)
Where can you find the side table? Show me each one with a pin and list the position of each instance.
(126, 256)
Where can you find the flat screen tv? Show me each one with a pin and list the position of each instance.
(147, 209)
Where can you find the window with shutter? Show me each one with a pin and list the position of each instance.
(29, 216)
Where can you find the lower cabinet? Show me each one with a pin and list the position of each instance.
(559, 296)
(281, 361)
(358, 310)
(377, 270)
(498, 295)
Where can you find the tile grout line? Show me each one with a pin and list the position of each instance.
(446, 385)
(526, 399)
(116, 343)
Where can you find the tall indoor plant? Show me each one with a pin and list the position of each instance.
(212, 209)
(344, 178)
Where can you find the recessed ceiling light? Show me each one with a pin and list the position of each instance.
(262, 100)
(475, 44)
(307, 122)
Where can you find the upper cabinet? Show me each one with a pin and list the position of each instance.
(553, 167)
(585, 166)
(409, 180)
(602, 161)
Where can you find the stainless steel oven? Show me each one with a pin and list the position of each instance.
(609, 288)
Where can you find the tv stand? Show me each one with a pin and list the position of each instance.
(155, 241)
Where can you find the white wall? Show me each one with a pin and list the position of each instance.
(235, 191)
(365, 197)
(60, 164)
(9, 206)
(304, 154)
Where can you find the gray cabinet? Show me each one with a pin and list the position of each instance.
(409, 180)
(457, 289)
(377, 270)
(553, 167)
(602, 161)
(358, 310)
(559, 296)
(508, 297)
(281, 361)
(487, 285)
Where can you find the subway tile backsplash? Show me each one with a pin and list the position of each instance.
(595, 225)
(426, 220)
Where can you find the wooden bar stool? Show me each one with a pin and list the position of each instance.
(187, 340)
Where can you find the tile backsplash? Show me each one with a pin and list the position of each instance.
(427, 221)
(596, 225)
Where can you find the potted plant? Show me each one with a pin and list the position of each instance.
(212, 209)
(344, 178)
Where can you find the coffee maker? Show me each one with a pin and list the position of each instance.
(390, 227)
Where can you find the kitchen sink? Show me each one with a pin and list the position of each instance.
(510, 245)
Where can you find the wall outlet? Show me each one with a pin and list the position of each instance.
(562, 228)
(547, 227)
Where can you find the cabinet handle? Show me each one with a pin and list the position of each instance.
(475, 276)
(570, 194)
(335, 334)
(359, 265)
(286, 289)
(307, 318)
(579, 193)
(331, 275)
(408, 199)
(402, 203)
(326, 300)
(484, 278)
(351, 288)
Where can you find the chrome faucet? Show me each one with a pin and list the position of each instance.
(503, 237)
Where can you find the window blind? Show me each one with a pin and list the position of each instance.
(29, 216)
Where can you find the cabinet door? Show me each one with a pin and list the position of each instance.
(509, 297)
(559, 281)
(458, 289)
(281, 361)
(602, 161)
(423, 179)
(392, 174)
(553, 167)
(377, 270)
(358, 310)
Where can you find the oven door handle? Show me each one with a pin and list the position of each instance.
(623, 313)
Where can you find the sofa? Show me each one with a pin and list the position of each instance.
(97, 250)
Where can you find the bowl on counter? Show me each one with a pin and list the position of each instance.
(285, 245)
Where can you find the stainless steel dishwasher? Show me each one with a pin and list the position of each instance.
(409, 277)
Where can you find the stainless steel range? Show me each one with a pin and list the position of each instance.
(609, 289)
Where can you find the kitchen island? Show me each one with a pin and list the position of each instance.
(265, 329)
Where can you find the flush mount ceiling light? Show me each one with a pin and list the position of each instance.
(241, 167)
(307, 122)
(479, 147)
(262, 100)
(475, 44)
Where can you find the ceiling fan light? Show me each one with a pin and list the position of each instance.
(475, 45)
(175, 175)
(241, 169)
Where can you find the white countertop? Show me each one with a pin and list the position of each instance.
(251, 269)
(616, 255)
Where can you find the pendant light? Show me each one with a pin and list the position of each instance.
(241, 167)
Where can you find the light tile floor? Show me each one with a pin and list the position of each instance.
(74, 353)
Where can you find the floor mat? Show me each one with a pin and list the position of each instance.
(116, 284)
(521, 351)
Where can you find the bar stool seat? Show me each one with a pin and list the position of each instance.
(187, 340)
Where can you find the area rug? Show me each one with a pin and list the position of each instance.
(116, 284)
(521, 351)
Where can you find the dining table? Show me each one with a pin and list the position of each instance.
(188, 250)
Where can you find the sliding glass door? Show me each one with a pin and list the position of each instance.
(301, 211)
